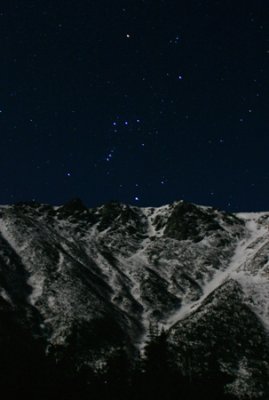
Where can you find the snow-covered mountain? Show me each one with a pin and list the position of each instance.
(93, 279)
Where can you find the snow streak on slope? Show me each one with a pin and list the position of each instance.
(256, 237)
(20, 248)
(252, 273)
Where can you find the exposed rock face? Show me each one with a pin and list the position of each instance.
(88, 280)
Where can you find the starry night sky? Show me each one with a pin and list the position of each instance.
(142, 102)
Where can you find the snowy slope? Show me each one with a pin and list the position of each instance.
(228, 325)
(137, 253)
(253, 279)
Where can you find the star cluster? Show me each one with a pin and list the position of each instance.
(143, 102)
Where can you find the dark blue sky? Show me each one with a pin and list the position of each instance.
(144, 102)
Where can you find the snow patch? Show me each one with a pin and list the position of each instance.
(256, 294)
(5, 296)
(37, 284)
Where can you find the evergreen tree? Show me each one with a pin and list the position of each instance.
(159, 373)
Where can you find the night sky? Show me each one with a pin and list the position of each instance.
(142, 102)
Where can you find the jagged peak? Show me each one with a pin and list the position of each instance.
(74, 205)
